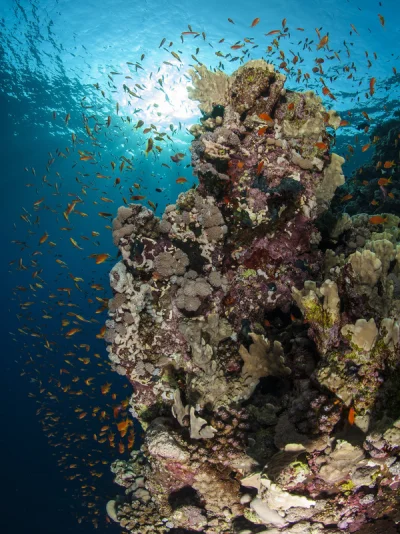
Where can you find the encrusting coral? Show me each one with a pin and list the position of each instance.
(265, 368)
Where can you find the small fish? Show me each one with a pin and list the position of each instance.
(176, 56)
(351, 416)
(72, 332)
(321, 146)
(384, 181)
(105, 388)
(181, 180)
(346, 197)
(272, 32)
(381, 19)
(236, 47)
(323, 42)
(388, 164)
(365, 147)
(152, 205)
(149, 146)
(43, 238)
(262, 130)
(374, 203)
(75, 244)
(265, 117)
(391, 195)
(372, 86)
(260, 167)
(354, 29)
(162, 42)
(38, 202)
(100, 258)
(377, 219)
(67, 117)
(138, 197)
(344, 123)
(255, 22)
(290, 106)
(230, 20)
(104, 214)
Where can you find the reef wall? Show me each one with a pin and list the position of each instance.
(265, 369)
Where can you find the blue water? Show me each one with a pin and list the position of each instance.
(52, 56)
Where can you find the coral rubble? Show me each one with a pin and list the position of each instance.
(265, 368)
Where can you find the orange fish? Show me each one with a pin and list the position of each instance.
(137, 197)
(102, 332)
(325, 90)
(262, 130)
(121, 448)
(346, 197)
(85, 158)
(73, 331)
(265, 117)
(272, 32)
(374, 202)
(344, 123)
(260, 167)
(377, 219)
(181, 180)
(123, 426)
(131, 440)
(365, 147)
(365, 182)
(105, 388)
(384, 181)
(391, 195)
(236, 47)
(290, 106)
(240, 165)
(323, 42)
(321, 146)
(381, 19)
(100, 258)
(43, 238)
(255, 22)
(351, 416)
(38, 202)
(388, 164)
(372, 86)
(82, 415)
(117, 181)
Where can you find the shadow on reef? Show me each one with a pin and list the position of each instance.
(263, 349)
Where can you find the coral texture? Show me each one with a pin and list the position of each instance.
(265, 369)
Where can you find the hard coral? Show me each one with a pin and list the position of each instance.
(265, 368)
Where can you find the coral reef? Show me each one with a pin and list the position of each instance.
(265, 368)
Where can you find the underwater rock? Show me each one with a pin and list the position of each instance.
(265, 370)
